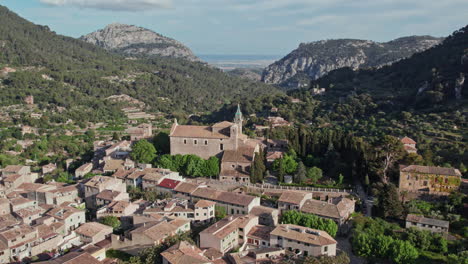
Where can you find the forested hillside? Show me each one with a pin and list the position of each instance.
(74, 74)
(423, 97)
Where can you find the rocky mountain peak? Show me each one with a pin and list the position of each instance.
(313, 60)
(134, 40)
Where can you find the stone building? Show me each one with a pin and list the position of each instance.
(409, 145)
(302, 240)
(430, 224)
(428, 179)
(224, 140)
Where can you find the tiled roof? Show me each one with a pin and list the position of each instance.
(73, 258)
(13, 168)
(431, 170)
(185, 253)
(196, 132)
(304, 234)
(261, 232)
(242, 155)
(185, 187)
(168, 183)
(427, 221)
(204, 203)
(91, 229)
(107, 195)
(235, 198)
(326, 209)
(263, 211)
(292, 197)
(407, 140)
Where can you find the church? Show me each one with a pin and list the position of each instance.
(224, 140)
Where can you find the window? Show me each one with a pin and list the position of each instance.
(306, 253)
(206, 142)
(325, 249)
(195, 142)
(185, 141)
(221, 147)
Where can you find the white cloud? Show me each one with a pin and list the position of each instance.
(116, 5)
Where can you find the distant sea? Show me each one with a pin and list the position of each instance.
(229, 62)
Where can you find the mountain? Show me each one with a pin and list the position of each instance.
(133, 40)
(253, 74)
(311, 61)
(78, 76)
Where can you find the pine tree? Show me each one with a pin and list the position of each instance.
(301, 174)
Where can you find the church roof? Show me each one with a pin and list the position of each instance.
(196, 132)
(223, 124)
(242, 154)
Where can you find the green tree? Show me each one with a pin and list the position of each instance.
(390, 150)
(340, 179)
(402, 252)
(362, 245)
(301, 173)
(258, 168)
(211, 168)
(111, 221)
(65, 177)
(382, 245)
(143, 152)
(220, 212)
(161, 143)
(388, 202)
(314, 174)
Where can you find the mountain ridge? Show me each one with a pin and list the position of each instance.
(135, 40)
(315, 59)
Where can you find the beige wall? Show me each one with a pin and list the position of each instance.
(430, 228)
(205, 151)
(204, 214)
(312, 250)
(47, 245)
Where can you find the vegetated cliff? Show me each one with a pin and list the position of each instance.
(316, 59)
(133, 40)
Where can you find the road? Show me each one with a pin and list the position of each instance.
(367, 201)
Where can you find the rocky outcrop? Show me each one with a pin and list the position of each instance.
(133, 40)
(316, 59)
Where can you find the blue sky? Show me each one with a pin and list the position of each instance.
(269, 27)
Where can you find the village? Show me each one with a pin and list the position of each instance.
(116, 206)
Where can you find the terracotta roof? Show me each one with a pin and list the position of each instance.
(153, 176)
(223, 227)
(213, 253)
(122, 173)
(168, 183)
(84, 167)
(91, 229)
(292, 197)
(117, 206)
(204, 203)
(160, 230)
(196, 132)
(223, 124)
(326, 209)
(63, 212)
(235, 198)
(242, 154)
(113, 165)
(107, 195)
(20, 200)
(207, 193)
(185, 187)
(263, 211)
(304, 234)
(408, 147)
(74, 258)
(261, 232)
(231, 172)
(185, 253)
(426, 221)
(407, 140)
(29, 211)
(13, 168)
(273, 155)
(17, 231)
(12, 177)
(431, 170)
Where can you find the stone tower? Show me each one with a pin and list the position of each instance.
(238, 120)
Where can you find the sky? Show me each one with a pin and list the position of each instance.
(256, 27)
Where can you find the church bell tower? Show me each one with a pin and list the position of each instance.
(238, 120)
